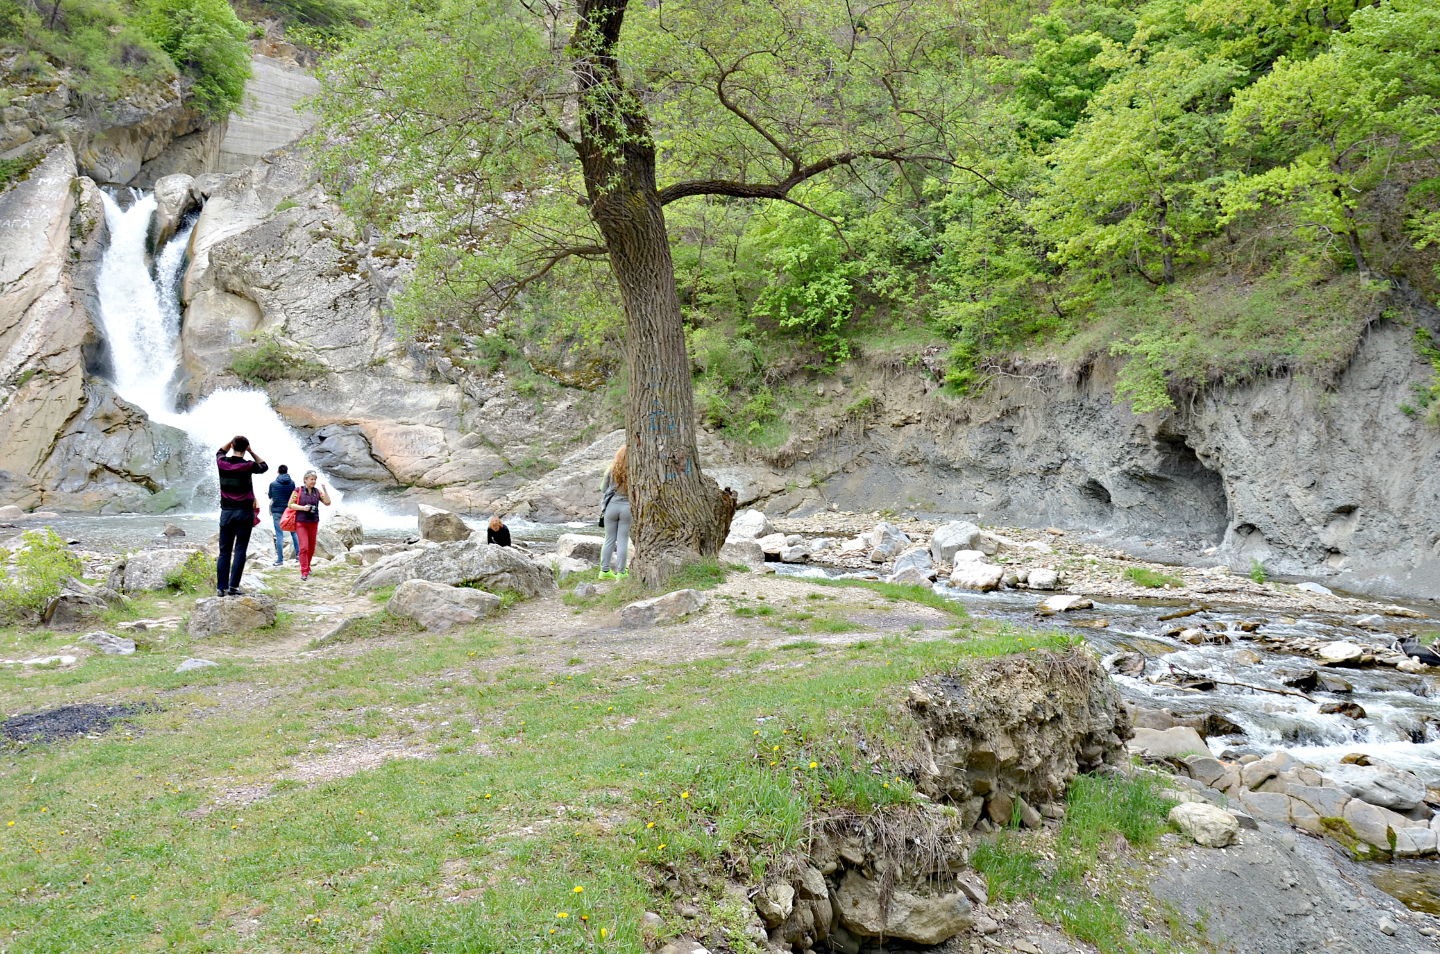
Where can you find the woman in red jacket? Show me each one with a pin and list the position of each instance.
(306, 501)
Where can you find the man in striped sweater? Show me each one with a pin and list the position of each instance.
(237, 511)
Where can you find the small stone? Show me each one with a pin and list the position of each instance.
(1315, 588)
(684, 945)
(584, 591)
(1205, 824)
(1387, 927)
(190, 665)
(1350, 710)
(109, 643)
(775, 903)
(650, 921)
(576, 546)
(1042, 578)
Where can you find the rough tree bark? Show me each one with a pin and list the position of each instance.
(679, 513)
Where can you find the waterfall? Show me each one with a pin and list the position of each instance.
(141, 319)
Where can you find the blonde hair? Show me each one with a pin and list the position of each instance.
(620, 473)
(496, 523)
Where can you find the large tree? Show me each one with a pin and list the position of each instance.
(512, 139)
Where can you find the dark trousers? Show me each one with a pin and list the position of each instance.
(235, 527)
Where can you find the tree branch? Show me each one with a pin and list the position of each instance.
(551, 260)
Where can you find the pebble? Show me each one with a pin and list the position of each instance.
(1387, 927)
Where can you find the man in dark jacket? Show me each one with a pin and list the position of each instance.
(280, 490)
(238, 511)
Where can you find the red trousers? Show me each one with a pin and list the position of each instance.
(306, 532)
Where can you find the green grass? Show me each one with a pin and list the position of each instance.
(536, 783)
(701, 575)
(908, 592)
(1097, 809)
(1257, 571)
(1151, 578)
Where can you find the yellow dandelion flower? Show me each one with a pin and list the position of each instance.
(661, 845)
(814, 764)
(651, 825)
(562, 914)
(579, 889)
(552, 930)
(602, 934)
(775, 749)
(684, 794)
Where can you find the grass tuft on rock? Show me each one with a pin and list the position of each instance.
(1153, 579)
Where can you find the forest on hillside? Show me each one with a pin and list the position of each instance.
(1205, 190)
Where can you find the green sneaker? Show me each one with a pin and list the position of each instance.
(606, 575)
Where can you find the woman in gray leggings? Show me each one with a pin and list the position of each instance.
(615, 505)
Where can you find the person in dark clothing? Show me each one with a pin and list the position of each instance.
(280, 490)
(238, 511)
(497, 533)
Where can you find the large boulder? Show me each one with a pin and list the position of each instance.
(1341, 652)
(1063, 604)
(1042, 578)
(1177, 743)
(231, 615)
(76, 602)
(749, 525)
(441, 526)
(1206, 824)
(438, 607)
(744, 551)
(662, 609)
(959, 535)
(149, 569)
(1379, 784)
(173, 199)
(348, 528)
(492, 567)
(1373, 825)
(977, 576)
(917, 558)
(578, 546)
(912, 914)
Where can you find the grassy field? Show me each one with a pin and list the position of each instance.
(473, 792)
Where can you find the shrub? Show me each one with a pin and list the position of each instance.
(195, 575)
(269, 360)
(207, 40)
(1151, 578)
(37, 572)
(1257, 571)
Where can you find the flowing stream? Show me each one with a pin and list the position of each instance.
(140, 313)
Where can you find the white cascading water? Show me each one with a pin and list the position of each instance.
(141, 318)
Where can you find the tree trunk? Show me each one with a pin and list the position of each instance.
(680, 514)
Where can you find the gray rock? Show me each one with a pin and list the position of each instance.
(1205, 824)
(192, 664)
(810, 884)
(1063, 604)
(750, 525)
(1177, 743)
(772, 544)
(579, 547)
(1316, 588)
(584, 591)
(662, 609)
(1205, 769)
(493, 568)
(795, 554)
(1043, 578)
(347, 528)
(977, 576)
(1414, 843)
(231, 615)
(887, 534)
(911, 576)
(744, 551)
(1341, 652)
(1379, 784)
(109, 643)
(684, 945)
(1269, 807)
(775, 903)
(441, 526)
(911, 915)
(1373, 825)
(1387, 927)
(366, 554)
(968, 556)
(148, 569)
(438, 607)
(953, 537)
(1326, 801)
(918, 558)
(348, 624)
(76, 603)
(173, 198)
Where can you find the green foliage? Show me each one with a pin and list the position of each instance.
(15, 170)
(35, 573)
(195, 575)
(1097, 809)
(1257, 571)
(207, 40)
(813, 290)
(269, 360)
(1151, 578)
(1427, 395)
(109, 45)
(909, 593)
